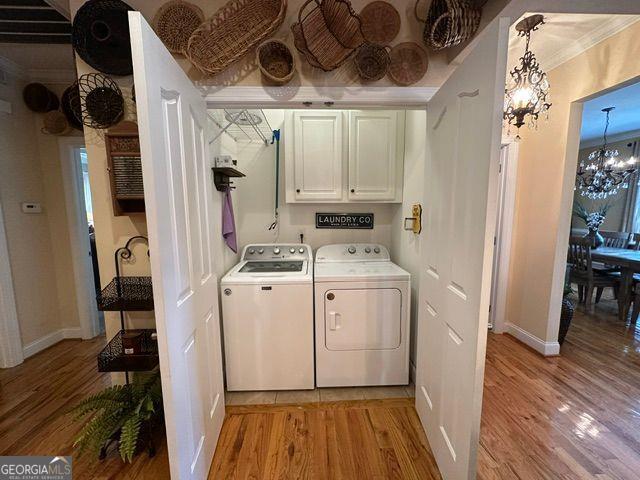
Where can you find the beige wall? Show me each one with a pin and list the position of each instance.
(405, 245)
(40, 256)
(547, 165)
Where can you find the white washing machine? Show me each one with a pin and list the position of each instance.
(362, 317)
(267, 317)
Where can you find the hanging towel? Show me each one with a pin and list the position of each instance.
(228, 222)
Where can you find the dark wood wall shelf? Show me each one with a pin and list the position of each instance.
(221, 176)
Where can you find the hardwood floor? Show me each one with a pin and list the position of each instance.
(572, 416)
(569, 417)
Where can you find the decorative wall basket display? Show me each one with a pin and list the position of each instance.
(101, 36)
(71, 107)
(39, 98)
(380, 22)
(102, 102)
(232, 32)
(175, 22)
(276, 61)
(372, 62)
(409, 63)
(55, 123)
(449, 23)
(327, 32)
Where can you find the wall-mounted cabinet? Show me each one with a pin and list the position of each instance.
(344, 156)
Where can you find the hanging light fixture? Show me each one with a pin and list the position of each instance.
(527, 92)
(602, 174)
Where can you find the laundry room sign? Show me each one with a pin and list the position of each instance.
(344, 220)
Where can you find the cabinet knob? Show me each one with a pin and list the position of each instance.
(353, 190)
(297, 190)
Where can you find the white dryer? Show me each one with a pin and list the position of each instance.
(361, 317)
(267, 317)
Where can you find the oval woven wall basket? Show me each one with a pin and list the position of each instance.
(101, 100)
(39, 98)
(380, 22)
(409, 63)
(276, 62)
(100, 36)
(372, 62)
(71, 107)
(232, 32)
(55, 123)
(449, 23)
(174, 23)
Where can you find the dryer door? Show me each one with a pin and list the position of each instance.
(363, 319)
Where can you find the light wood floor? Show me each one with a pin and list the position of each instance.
(574, 416)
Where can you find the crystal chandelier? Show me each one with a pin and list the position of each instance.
(527, 92)
(602, 174)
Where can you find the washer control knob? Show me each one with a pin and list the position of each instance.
(252, 251)
(292, 250)
(276, 250)
(261, 251)
(367, 250)
(351, 249)
(301, 250)
(376, 249)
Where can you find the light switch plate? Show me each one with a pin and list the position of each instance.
(31, 207)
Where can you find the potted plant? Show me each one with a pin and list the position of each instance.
(593, 221)
(126, 414)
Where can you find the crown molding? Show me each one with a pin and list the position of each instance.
(618, 137)
(608, 28)
(339, 96)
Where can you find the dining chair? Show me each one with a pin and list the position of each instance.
(583, 274)
(635, 241)
(616, 239)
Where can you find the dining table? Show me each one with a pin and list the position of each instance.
(628, 261)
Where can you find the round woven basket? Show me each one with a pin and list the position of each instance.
(175, 22)
(71, 107)
(409, 63)
(100, 36)
(55, 123)
(372, 62)
(380, 22)
(39, 98)
(276, 62)
(103, 104)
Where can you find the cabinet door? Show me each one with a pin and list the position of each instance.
(318, 156)
(375, 155)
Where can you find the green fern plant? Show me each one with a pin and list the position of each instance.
(120, 412)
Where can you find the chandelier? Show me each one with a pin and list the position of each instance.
(527, 91)
(602, 174)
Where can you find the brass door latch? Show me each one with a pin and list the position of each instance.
(414, 223)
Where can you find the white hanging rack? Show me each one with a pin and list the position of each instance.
(251, 124)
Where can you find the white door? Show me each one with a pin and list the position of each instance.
(375, 155)
(318, 155)
(463, 144)
(497, 238)
(178, 196)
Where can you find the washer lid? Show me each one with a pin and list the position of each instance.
(359, 272)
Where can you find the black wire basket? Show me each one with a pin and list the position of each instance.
(128, 294)
(101, 36)
(114, 359)
(102, 103)
(71, 106)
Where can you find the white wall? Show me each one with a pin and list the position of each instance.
(254, 200)
(405, 245)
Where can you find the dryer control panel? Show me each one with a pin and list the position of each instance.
(277, 251)
(352, 252)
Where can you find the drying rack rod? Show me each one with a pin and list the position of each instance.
(237, 119)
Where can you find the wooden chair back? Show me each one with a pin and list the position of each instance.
(616, 239)
(579, 256)
(635, 240)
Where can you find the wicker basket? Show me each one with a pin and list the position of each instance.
(39, 98)
(409, 63)
(372, 62)
(232, 32)
(55, 123)
(449, 23)
(276, 61)
(380, 22)
(102, 102)
(327, 33)
(175, 22)
(71, 107)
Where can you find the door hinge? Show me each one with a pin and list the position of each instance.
(495, 241)
(499, 168)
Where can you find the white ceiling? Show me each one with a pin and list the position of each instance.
(41, 59)
(625, 118)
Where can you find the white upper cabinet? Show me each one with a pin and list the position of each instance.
(376, 151)
(318, 156)
(344, 156)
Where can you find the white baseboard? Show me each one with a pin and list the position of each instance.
(545, 348)
(50, 339)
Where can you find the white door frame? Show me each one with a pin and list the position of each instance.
(11, 353)
(503, 235)
(78, 235)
